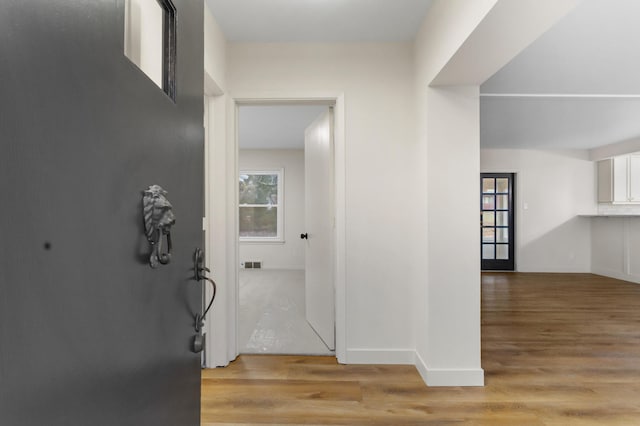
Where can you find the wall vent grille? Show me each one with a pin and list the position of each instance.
(253, 264)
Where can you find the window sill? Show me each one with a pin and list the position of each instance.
(260, 241)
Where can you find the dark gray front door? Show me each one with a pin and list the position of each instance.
(89, 333)
(497, 221)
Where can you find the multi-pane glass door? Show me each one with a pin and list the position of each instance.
(497, 221)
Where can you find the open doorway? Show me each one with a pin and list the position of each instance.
(223, 255)
(276, 308)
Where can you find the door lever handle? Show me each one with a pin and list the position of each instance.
(304, 236)
(199, 270)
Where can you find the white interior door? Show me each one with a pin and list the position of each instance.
(319, 283)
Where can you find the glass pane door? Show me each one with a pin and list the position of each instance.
(497, 221)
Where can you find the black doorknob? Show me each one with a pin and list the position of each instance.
(304, 236)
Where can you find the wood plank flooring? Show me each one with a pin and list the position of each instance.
(557, 349)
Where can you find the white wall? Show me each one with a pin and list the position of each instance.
(290, 253)
(143, 37)
(552, 189)
(616, 247)
(215, 51)
(453, 166)
(377, 82)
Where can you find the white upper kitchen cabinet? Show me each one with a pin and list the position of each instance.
(619, 179)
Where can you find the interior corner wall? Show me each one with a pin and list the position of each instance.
(376, 81)
(289, 254)
(552, 189)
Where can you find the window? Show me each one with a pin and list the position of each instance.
(150, 40)
(261, 205)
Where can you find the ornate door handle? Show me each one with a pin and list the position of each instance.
(158, 220)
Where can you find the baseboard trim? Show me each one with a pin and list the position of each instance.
(616, 274)
(381, 356)
(421, 366)
(554, 269)
(449, 376)
(431, 376)
(275, 268)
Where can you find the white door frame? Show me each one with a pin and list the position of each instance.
(216, 214)
(223, 326)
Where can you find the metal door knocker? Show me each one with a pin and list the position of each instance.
(158, 219)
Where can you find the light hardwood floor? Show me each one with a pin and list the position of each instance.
(557, 349)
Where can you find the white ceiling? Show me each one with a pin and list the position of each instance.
(594, 50)
(275, 127)
(319, 20)
(557, 123)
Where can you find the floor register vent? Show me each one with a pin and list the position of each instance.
(252, 265)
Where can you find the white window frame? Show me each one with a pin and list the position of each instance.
(279, 238)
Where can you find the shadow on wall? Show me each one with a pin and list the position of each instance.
(564, 248)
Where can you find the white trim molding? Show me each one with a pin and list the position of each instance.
(431, 376)
(449, 376)
(381, 356)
